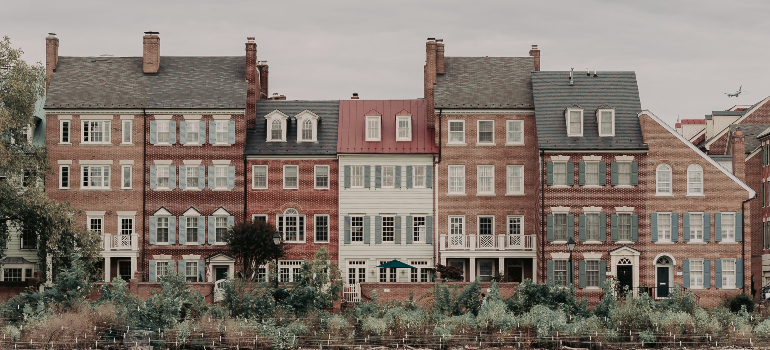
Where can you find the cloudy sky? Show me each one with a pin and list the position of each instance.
(686, 54)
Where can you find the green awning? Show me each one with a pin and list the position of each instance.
(395, 264)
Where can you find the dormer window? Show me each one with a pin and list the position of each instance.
(404, 128)
(574, 118)
(373, 128)
(307, 126)
(276, 126)
(605, 118)
(276, 131)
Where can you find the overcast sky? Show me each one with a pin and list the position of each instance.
(686, 54)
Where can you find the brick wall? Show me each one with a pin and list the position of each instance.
(422, 292)
(754, 180)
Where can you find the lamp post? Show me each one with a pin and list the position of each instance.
(571, 247)
(276, 242)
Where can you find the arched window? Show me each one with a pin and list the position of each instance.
(663, 179)
(292, 225)
(694, 180)
(307, 130)
(275, 130)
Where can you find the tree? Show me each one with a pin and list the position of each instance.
(23, 166)
(252, 244)
(318, 285)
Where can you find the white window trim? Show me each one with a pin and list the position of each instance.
(379, 128)
(107, 133)
(130, 132)
(216, 167)
(185, 168)
(630, 172)
(478, 223)
(508, 130)
(449, 132)
(478, 133)
(599, 121)
(567, 116)
(408, 118)
(275, 115)
(328, 228)
(282, 217)
(414, 175)
(61, 132)
(158, 123)
(382, 176)
(130, 177)
(508, 223)
(363, 176)
(702, 181)
(735, 271)
(226, 123)
(478, 181)
(328, 177)
(732, 240)
(189, 120)
(449, 222)
(267, 177)
(157, 177)
(284, 177)
(69, 177)
(670, 231)
(566, 171)
(701, 271)
(120, 224)
(227, 227)
(449, 178)
(671, 182)
(507, 178)
(301, 117)
(91, 216)
(424, 232)
(105, 184)
(702, 226)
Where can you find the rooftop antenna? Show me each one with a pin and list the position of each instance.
(595, 73)
(570, 76)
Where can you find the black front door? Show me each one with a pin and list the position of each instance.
(221, 273)
(662, 291)
(625, 277)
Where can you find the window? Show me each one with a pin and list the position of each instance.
(262, 274)
(388, 176)
(388, 229)
(96, 176)
(259, 180)
(322, 177)
(593, 225)
(515, 179)
(357, 176)
(28, 241)
(162, 176)
(694, 180)
(592, 174)
(161, 230)
(191, 271)
(126, 225)
(191, 230)
(486, 225)
(289, 270)
(357, 229)
(64, 176)
(560, 272)
(574, 122)
(161, 268)
(372, 128)
(64, 133)
(292, 225)
(560, 227)
(606, 119)
(127, 129)
(664, 227)
(96, 131)
(624, 227)
(696, 227)
(456, 225)
(728, 273)
(624, 174)
(222, 131)
(276, 134)
(259, 217)
(12, 275)
(457, 179)
(191, 177)
(419, 176)
(404, 128)
(420, 272)
(163, 131)
(592, 273)
(663, 179)
(307, 130)
(486, 179)
(728, 227)
(95, 224)
(515, 225)
(193, 131)
(356, 271)
(765, 235)
(696, 273)
(220, 176)
(220, 224)
(125, 183)
(486, 133)
(322, 228)
(290, 177)
(560, 174)
(456, 131)
(418, 229)
(387, 274)
(514, 132)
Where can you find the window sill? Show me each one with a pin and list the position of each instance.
(221, 189)
(270, 141)
(485, 144)
(291, 188)
(664, 242)
(95, 189)
(192, 243)
(259, 188)
(65, 143)
(64, 188)
(697, 242)
(664, 195)
(456, 144)
(593, 186)
(191, 189)
(514, 143)
(560, 242)
(456, 195)
(593, 242)
(696, 195)
(514, 194)
(192, 144)
(162, 189)
(162, 144)
(95, 144)
(624, 242)
(162, 243)
(321, 188)
(560, 186)
(729, 243)
(592, 288)
(624, 186)
(485, 195)
(225, 243)
(222, 144)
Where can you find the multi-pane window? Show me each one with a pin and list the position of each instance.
(515, 132)
(64, 176)
(161, 176)
(696, 227)
(357, 229)
(419, 176)
(192, 228)
(486, 179)
(388, 176)
(624, 173)
(290, 271)
(372, 128)
(696, 273)
(162, 131)
(276, 134)
(262, 274)
(420, 273)
(290, 177)
(221, 229)
(728, 273)
(307, 130)
(357, 176)
(126, 226)
(321, 176)
(624, 227)
(592, 226)
(404, 128)
(605, 123)
(356, 271)
(592, 273)
(193, 131)
(560, 173)
(456, 225)
(486, 225)
(560, 272)
(126, 132)
(12, 275)
(260, 177)
(192, 176)
(694, 179)
(64, 135)
(388, 228)
(191, 271)
(161, 231)
(766, 235)
(664, 227)
(222, 131)
(220, 176)
(96, 176)
(125, 177)
(515, 225)
(28, 241)
(322, 228)
(457, 179)
(292, 225)
(486, 133)
(515, 179)
(95, 224)
(418, 229)
(663, 179)
(387, 274)
(592, 173)
(161, 268)
(560, 227)
(96, 131)
(456, 131)
(728, 227)
(575, 123)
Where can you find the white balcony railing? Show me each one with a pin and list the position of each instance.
(487, 242)
(120, 242)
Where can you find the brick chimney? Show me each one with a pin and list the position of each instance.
(439, 56)
(151, 57)
(355, 96)
(252, 81)
(739, 155)
(430, 79)
(263, 71)
(535, 52)
(51, 56)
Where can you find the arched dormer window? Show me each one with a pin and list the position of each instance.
(276, 126)
(307, 126)
(694, 180)
(663, 179)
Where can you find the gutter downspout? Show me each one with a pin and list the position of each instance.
(244, 187)
(144, 186)
(437, 237)
(743, 241)
(542, 216)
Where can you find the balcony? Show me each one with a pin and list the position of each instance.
(120, 242)
(487, 242)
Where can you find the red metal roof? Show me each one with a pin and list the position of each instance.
(693, 121)
(351, 135)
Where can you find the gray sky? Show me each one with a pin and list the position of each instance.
(686, 54)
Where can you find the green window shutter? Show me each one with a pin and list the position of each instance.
(347, 176)
(182, 229)
(408, 176)
(603, 227)
(582, 273)
(685, 227)
(549, 173)
(582, 227)
(153, 276)
(347, 229)
(172, 132)
(201, 132)
(706, 273)
(398, 176)
(571, 226)
(738, 227)
(182, 177)
(378, 229)
(182, 132)
(172, 177)
(367, 232)
(153, 175)
(674, 227)
(614, 227)
(706, 227)
(153, 132)
(367, 176)
(717, 228)
(429, 176)
(570, 173)
(409, 230)
(212, 229)
(429, 229)
(614, 175)
(582, 174)
(654, 227)
(635, 173)
(172, 229)
(397, 239)
(718, 273)
(549, 227)
(738, 273)
(635, 227)
(603, 173)
(201, 177)
(686, 273)
(212, 178)
(201, 271)
(231, 132)
(231, 177)
(378, 176)
(602, 272)
(153, 230)
(201, 231)
(549, 269)
(212, 132)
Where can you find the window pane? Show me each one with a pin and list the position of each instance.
(275, 130)
(388, 229)
(575, 122)
(592, 173)
(456, 131)
(559, 173)
(321, 228)
(560, 227)
(456, 179)
(260, 177)
(486, 133)
(606, 122)
(515, 133)
(192, 131)
(624, 173)
(388, 173)
(357, 229)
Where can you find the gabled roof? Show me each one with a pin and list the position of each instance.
(352, 127)
(553, 94)
(750, 133)
(328, 111)
(485, 82)
(744, 114)
(118, 82)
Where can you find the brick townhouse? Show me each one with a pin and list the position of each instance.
(291, 177)
(488, 185)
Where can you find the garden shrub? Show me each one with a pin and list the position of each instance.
(490, 314)
(529, 294)
(679, 300)
(374, 326)
(250, 300)
(470, 298)
(762, 330)
(705, 323)
(544, 320)
(647, 337)
(741, 300)
(675, 322)
(632, 314)
(611, 335)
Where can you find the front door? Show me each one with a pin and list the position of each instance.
(486, 270)
(221, 273)
(625, 277)
(662, 284)
(124, 269)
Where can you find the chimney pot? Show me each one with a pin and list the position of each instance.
(535, 53)
(355, 96)
(431, 39)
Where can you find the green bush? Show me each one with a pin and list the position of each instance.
(250, 300)
(529, 294)
(679, 300)
(544, 320)
(705, 323)
(470, 298)
(489, 315)
(741, 300)
(647, 337)
(762, 330)
(374, 326)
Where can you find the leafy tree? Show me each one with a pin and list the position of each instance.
(252, 244)
(23, 166)
(318, 285)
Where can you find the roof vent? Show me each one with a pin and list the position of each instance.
(152, 33)
(571, 82)
(250, 39)
(431, 39)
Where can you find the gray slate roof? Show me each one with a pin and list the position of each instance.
(118, 82)
(751, 134)
(328, 111)
(553, 95)
(485, 82)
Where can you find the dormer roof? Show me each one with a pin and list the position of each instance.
(327, 113)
